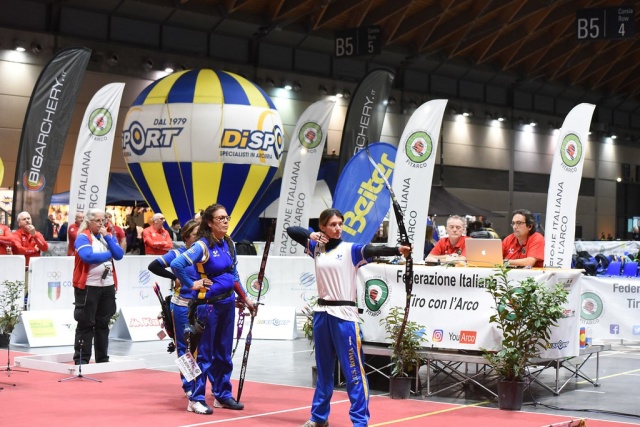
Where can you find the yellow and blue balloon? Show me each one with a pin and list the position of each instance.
(199, 137)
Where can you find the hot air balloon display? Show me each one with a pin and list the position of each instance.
(199, 137)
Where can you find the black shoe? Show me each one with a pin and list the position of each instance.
(230, 403)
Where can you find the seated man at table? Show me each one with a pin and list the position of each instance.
(525, 246)
(452, 247)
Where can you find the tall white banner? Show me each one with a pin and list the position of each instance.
(92, 160)
(300, 174)
(412, 177)
(564, 185)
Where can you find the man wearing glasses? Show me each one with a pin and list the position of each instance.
(525, 246)
(157, 240)
(452, 246)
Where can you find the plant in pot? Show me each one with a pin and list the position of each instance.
(525, 312)
(404, 361)
(307, 330)
(11, 303)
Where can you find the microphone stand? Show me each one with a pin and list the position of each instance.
(80, 376)
(9, 369)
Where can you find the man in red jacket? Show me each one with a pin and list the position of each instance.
(157, 240)
(29, 242)
(72, 233)
(7, 240)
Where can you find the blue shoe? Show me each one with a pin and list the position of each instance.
(230, 403)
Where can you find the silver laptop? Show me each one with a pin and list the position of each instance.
(484, 252)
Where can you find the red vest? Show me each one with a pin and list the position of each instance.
(81, 268)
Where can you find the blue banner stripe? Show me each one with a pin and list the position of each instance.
(143, 95)
(250, 214)
(183, 89)
(179, 183)
(136, 172)
(231, 184)
(232, 90)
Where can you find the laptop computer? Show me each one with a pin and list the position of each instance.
(484, 252)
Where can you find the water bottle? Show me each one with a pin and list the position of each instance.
(583, 337)
(588, 337)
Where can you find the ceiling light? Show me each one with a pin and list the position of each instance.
(391, 101)
(613, 136)
(36, 47)
(19, 45)
(500, 119)
(346, 94)
(286, 85)
(297, 86)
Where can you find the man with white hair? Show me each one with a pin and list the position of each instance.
(157, 240)
(29, 241)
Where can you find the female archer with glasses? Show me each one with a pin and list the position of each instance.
(525, 246)
(94, 287)
(213, 256)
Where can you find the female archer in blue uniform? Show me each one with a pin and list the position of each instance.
(336, 329)
(181, 293)
(213, 257)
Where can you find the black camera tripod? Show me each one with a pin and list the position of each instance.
(79, 376)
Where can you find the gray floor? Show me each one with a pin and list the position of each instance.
(289, 363)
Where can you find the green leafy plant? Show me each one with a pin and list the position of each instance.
(307, 326)
(525, 312)
(11, 304)
(413, 336)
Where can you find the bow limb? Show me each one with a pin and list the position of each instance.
(247, 342)
(403, 239)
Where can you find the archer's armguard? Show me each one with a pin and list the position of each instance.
(240, 291)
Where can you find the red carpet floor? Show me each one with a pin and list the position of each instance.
(153, 398)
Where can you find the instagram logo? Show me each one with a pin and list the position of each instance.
(437, 335)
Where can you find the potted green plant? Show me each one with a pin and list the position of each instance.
(525, 312)
(307, 330)
(11, 303)
(404, 361)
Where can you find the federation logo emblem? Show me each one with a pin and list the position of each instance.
(571, 150)
(419, 147)
(591, 306)
(376, 294)
(253, 287)
(100, 122)
(310, 135)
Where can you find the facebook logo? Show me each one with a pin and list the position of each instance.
(614, 329)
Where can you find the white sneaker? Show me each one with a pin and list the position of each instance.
(315, 424)
(199, 408)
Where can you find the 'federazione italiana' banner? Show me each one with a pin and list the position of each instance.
(564, 185)
(415, 161)
(300, 174)
(92, 160)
